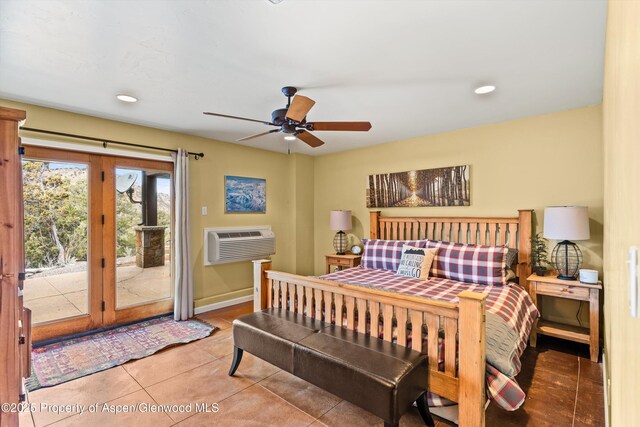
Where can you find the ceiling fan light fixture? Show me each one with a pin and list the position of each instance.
(290, 138)
(126, 98)
(483, 90)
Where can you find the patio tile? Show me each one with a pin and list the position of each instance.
(109, 418)
(346, 413)
(252, 367)
(24, 419)
(166, 364)
(125, 298)
(96, 388)
(70, 282)
(205, 384)
(51, 308)
(137, 285)
(311, 399)
(252, 407)
(211, 318)
(79, 300)
(220, 344)
(38, 287)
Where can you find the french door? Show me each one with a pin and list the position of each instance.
(97, 240)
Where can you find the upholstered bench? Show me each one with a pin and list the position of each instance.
(380, 377)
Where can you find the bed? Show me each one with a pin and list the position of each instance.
(456, 311)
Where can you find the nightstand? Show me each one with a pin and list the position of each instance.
(567, 289)
(347, 260)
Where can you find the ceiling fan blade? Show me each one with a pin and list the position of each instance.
(348, 126)
(300, 106)
(309, 139)
(239, 118)
(246, 138)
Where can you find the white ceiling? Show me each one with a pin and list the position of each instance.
(409, 67)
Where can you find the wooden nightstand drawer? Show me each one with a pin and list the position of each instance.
(341, 262)
(562, 291)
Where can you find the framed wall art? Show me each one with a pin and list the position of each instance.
(449, 186)
(245, 195)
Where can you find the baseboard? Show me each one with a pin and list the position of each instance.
(607, 389)
(222, 304)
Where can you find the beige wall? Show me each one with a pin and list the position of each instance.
(527, 163)
(212, 283)
(621, 113)
(302, 213)
(552, 159)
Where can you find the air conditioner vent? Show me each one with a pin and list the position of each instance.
(223, 245)
(239, 234)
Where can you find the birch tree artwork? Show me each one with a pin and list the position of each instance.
(448, 186)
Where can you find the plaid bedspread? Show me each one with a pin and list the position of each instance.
(511, 303)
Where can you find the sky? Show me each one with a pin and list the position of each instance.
(162, 184)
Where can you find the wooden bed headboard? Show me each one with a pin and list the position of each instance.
(512, 232)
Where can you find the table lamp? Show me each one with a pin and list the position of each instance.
(340, 221)
(566, 223)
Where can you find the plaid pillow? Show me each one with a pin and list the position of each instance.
(385, 254)
(484, 265)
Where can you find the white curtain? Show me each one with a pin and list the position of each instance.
(183, 277)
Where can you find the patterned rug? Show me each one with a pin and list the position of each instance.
(77, 357)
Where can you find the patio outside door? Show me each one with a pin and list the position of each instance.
(97, 253)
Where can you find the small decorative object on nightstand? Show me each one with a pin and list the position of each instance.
(566, 223)
(567, 289)
(342, 261)
(340, 221)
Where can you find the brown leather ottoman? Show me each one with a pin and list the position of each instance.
(271, 335)
(380, 377)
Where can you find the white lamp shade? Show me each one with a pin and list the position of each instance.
(566, 223)
(340, 220)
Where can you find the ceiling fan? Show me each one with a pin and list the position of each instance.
(292, 120)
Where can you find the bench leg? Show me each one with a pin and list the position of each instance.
(237, 357)
(423, 408)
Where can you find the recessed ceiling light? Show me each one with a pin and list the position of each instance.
(485, 89)
(276, 1)
(127, 98)
(290, 138)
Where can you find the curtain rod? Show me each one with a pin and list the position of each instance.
(105, 141)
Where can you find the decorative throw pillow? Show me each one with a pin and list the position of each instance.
(511, 265)
(416, 262)
(512, 258)
(484, 265)
(385, 254)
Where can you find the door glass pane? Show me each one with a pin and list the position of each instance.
(56, 216)
(143, 236)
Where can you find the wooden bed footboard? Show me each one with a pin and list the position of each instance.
(462, 377)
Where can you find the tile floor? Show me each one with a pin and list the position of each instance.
(564, 389)
(65, 295)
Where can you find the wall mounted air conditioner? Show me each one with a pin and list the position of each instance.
(231, 244)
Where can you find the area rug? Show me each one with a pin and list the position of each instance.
(73, 358)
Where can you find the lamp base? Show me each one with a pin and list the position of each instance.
(340, 242)
(567, 259)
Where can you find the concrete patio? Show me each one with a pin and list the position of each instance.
(64, 295)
